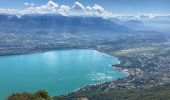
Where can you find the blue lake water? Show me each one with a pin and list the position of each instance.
(58, 72)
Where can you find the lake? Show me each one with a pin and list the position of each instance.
(58, 72)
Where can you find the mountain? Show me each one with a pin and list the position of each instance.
(131, 24)
(58, 24)
(158, 23)
(134, 24)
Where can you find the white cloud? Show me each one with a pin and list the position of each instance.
(88, 8)
(76, 10)
(32, 4)
(26, 3)
(49, 8)
(78, 6)
(64, 10)
(151, 15)
(29, 4)
(52, 4)
(98, 8)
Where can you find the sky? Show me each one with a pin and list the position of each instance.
(88, 7)
(114, 6)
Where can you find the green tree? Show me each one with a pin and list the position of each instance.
(40, 95)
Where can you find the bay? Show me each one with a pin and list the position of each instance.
(58, 72)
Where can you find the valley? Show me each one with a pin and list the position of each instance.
(143, 54)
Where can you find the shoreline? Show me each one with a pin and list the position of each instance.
(125, 71)
(37, 52)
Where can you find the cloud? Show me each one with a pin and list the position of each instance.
(88, 8)
(64, 10)
(26, 3)
(49, 8)
(77, 9)
(52, 4)
(78, 6)
(29, 4)
(98, 9)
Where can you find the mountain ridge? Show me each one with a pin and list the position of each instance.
(58, 24)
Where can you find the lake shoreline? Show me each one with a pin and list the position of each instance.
(110, 65)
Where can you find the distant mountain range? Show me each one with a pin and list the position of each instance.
(131, 24)
(41, 24)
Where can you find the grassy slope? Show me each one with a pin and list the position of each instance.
(154, 93)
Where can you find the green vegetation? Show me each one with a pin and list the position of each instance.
(144, 54)
(161, 92)
(40, 95)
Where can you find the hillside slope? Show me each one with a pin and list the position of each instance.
(155, 93)
(58, 24)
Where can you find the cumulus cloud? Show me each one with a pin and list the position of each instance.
(64, 10)
(78, 6)
(88, 8)
(52, 4)
(77, 9)
(98, 8)
(49, 8)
